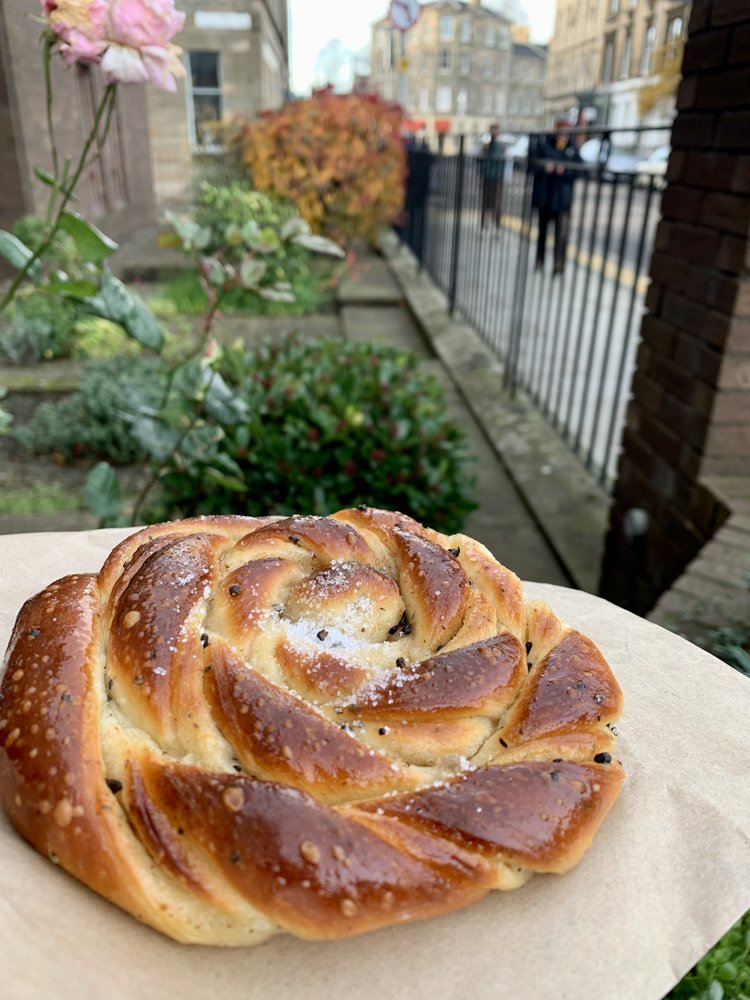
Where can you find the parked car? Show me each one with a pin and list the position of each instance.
(613, 160)
(654, 166)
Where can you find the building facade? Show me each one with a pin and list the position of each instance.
(116, 191)
(526, 89)
(451, 71)
(603, 52)
(236, 57)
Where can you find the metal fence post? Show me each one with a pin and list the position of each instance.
(457, 206)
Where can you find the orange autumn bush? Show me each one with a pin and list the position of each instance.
(339, 158)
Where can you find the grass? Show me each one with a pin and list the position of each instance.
(41, 498)
(183, 293)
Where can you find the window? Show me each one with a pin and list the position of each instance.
(204, 95)
(627, 53)
(648, 50)
(489, 36)
(674, 33)
(488, 69)
(425, 62)
(462, 102)
(445, 60)
(500, 102)
(424, 99)
(447, 27)
(674, 29)
(609, 53)
(504, 38)
(487, 103)
(425, 29)
(464, 64)
(466, 31)
(614, 6)
(443, 99)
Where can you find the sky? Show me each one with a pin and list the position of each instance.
(315, 24)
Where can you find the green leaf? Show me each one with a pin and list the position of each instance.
(117, 303)
(296, 226)
(79, 289)
(45, 177)
(319, 244)
(101, 492)
(276, 295)
(228, 482)
(16, 252)
(92, 244)
(213, 271)
(252, 271)
(155, 438)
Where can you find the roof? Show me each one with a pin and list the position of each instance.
(528, 50)
(459, 6)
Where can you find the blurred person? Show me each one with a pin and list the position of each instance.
(492, 172)
(555, 172)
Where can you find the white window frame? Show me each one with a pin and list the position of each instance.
(466, 30)
(447, 27)
(627, 56)
(490, 36)
(464, 64)
(649, 40)
(191, 92)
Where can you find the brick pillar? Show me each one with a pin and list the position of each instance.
(689, 416)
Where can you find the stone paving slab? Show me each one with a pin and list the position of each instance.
(368, 280)
(385, 324)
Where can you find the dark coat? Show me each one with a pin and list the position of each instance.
(553, 191)
(492, 162)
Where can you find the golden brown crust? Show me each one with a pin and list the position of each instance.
(321, 725)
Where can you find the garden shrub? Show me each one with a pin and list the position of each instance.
(338, 158)
(38, 327)
(327, 424)
(289, 426)
(96, 339)
(226, 221)
(94, 421)
(722, 974)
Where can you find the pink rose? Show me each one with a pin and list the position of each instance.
(140, 51)
(79, 24)
(131, 38)
(143, 23)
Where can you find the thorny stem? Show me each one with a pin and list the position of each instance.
(105, 104)
(49, 43)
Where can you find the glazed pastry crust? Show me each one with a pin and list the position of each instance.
(315, 725)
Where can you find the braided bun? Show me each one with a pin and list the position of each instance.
(318, 725)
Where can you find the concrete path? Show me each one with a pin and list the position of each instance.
(502, 522)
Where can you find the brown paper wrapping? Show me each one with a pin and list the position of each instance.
(667, 875)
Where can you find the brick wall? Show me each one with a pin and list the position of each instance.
(689, 416)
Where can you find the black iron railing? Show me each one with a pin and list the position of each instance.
(563, 317)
